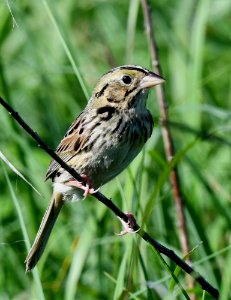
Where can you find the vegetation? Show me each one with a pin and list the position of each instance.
(51, 55)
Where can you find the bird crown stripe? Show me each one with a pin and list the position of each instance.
(129, 67)
(135, 68)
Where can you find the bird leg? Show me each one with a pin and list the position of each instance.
(85, 185)
(128, 226)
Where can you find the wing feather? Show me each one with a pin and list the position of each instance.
(72, 144)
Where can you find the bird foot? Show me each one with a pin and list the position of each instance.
(128, 226)
(85, 185)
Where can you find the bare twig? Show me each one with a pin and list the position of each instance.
(167, 138)
(168, 143)
(99, 196)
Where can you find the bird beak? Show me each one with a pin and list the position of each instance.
(150, 80)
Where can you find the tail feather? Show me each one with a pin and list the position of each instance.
(44, 231)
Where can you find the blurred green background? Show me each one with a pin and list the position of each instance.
(51, 55)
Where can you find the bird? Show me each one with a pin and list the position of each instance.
(101, 142)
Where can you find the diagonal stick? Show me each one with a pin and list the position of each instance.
(99, 196)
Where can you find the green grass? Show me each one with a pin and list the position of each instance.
(49, 63)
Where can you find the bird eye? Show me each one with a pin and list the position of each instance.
(126, 79)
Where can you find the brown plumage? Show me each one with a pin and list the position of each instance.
(100, 143)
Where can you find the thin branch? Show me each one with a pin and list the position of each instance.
(99, 196)
(167, 138)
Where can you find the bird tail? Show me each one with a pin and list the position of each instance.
(44, 231)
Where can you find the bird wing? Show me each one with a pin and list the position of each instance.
(72, 144)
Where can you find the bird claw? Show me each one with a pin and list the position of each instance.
(128, 226)
(86, 187)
